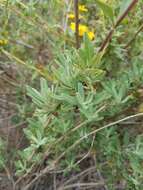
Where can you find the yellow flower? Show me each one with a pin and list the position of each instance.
(3, 42)
(91, 35)
(82, 28)
(82, 8)
(72, 26)
(72, 16)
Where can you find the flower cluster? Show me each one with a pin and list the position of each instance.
(82, 8)
(82, 28)
(3, 42)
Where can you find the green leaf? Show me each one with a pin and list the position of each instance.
(107, 10)
(66, 98)
(35, 95)
(101, 97)
(81, 91)
(44, 87)
(97, 58)
(124, 5)
(86, 53)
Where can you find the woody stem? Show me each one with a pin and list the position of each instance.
(118, 21)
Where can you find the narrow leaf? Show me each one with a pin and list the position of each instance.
(107, 10)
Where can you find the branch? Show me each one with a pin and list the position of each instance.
(119, 20)
(131, 5)
(134, 37)
(51, 167)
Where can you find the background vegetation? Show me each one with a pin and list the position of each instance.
(77, 97)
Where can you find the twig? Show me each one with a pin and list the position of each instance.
(134, 37)
(76, 22)
(91, 169)
(66, 135)
(20, 42)
(88, 153)
(95, 131)
(65, 20)
(21, 62)
(54, 182)
(82, 185)
(9, 176)
(131, 5)
(119, 20)
(100, 175)
(48, 168)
